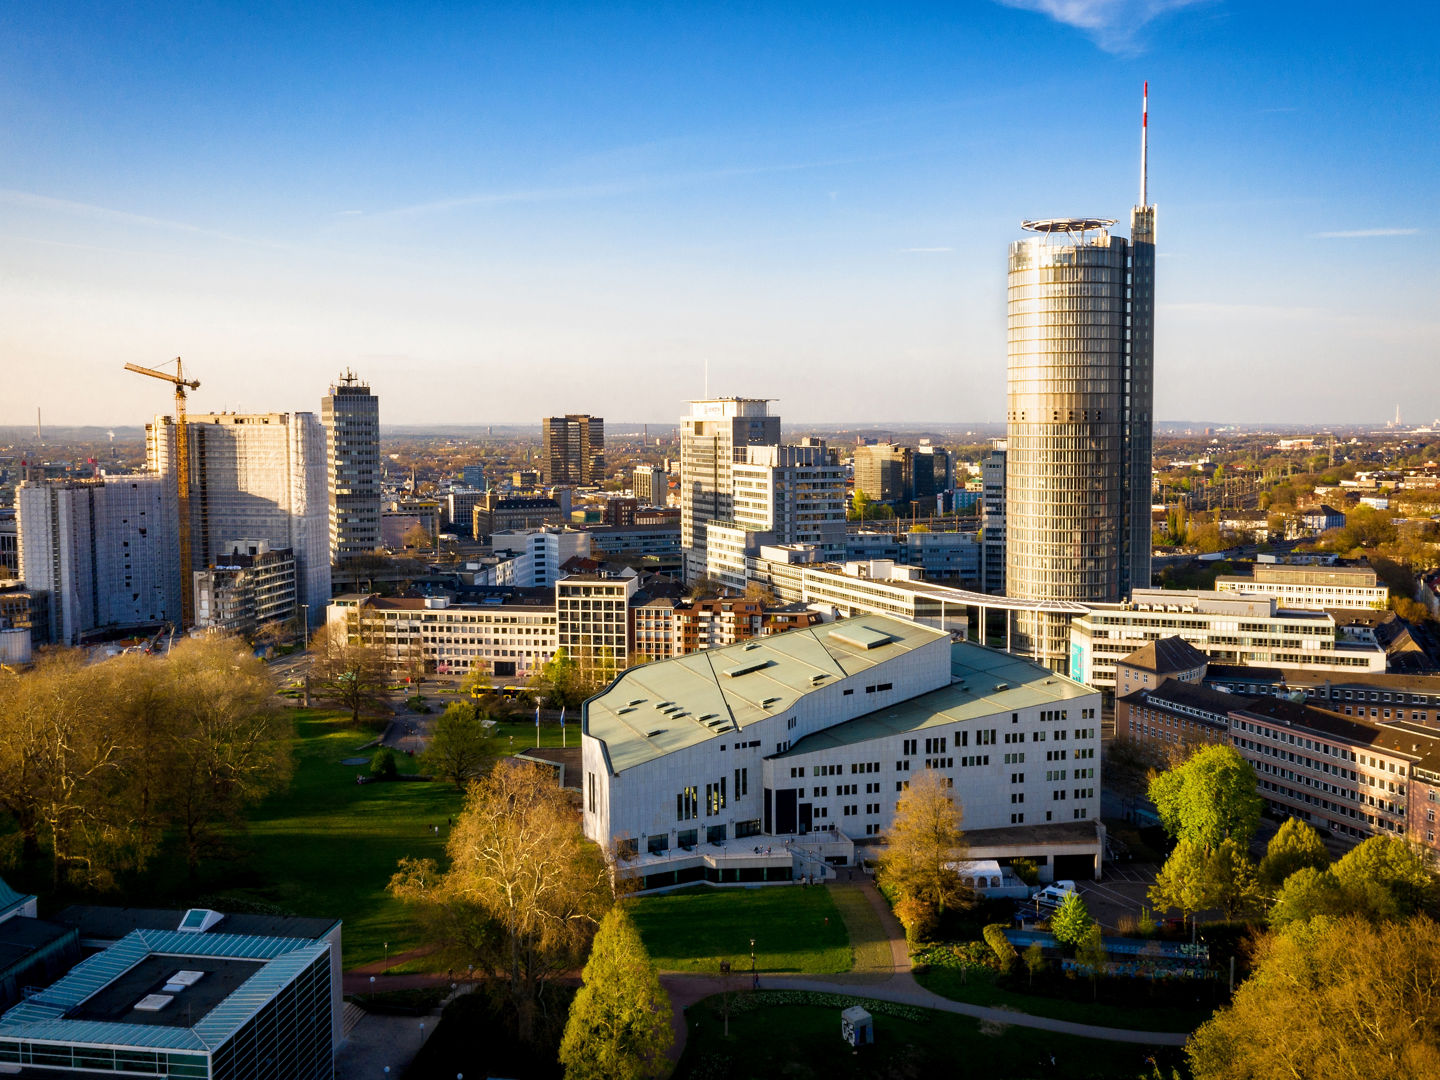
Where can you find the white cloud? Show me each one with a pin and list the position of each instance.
(1360, 234)
(1114, 25)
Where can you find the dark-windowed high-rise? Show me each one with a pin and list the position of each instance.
(574, 451)
(1081, 362)
(351, 417)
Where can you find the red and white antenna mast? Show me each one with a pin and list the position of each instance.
(1144, 145)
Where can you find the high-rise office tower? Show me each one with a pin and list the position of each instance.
(99, 555)
(712, 438)
(1081, 359)
(258, 476)
(796, 493)
(350, 414)
(885, 472)
(574, 450)
(650, 485)
(992, 520)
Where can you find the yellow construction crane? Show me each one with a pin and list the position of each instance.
(182, 470)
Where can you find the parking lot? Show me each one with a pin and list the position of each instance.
(1121, 893)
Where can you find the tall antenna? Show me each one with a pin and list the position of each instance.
(1145, 145)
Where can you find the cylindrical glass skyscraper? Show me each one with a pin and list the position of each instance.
(1078, 423)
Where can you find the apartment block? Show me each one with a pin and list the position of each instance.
(253, 585)
(1228, 628)
(99, 555)
(1310, 588)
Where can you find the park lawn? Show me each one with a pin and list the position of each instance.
(802, 1041)
(797, 929)
(327, 846)
(518, 734)
(980, 988)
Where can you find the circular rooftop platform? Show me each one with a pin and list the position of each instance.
(1067, 225)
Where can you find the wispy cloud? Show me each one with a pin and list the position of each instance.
(1114, 25)
(1361, 234)
(31, 201)
(925, 250)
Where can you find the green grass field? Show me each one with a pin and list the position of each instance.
(802, 1041)
(796, 929)
(327, 846)
(515, 735)
(979, 988)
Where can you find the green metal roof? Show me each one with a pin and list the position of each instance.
(669, 705)
(985, 682)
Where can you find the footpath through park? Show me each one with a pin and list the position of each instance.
(883, 978)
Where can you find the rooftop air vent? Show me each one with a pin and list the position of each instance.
(624, 709)
(153, 1002)
(751, 645)
(182, 979)
(1002, 686)
(636, 701)
(745, 669)
(765, 703)
(654, 731)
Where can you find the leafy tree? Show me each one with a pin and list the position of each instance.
(382, 764)
(1295, 846)
(524, 891)
(231, 746)
(350, 673)
(619, 1024)
(1090, 954)
(1384, 878)
(1034, 957)
(1072, 921)
(1235, 889)
(1379, 879)
(1026, 870)
(1341, 999)
(460, 744)
(568, 679)
(1208, 798)
(924, 837)
(59, 761)
(1306, 893)
(1184, 882)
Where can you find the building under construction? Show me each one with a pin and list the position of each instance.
(258, 476)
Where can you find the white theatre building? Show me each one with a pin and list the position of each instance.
(777, 757)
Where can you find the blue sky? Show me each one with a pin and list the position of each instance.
(499, 212)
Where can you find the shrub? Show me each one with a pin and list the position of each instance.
(1026, 871)
(1005, 953)
(382, 765)
(1070, 923)
(918, 918)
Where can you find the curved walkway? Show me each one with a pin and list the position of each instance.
(895, 984)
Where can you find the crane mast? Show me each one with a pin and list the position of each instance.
(182, 477)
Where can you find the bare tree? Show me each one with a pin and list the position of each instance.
(524, 891)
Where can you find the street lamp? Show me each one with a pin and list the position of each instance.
(387, 956)
(305, 628)
(754, 975)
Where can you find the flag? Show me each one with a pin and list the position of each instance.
(562, 716)
(537, 721)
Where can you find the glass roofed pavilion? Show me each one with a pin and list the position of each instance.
(784, 756)
(185, 1003)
